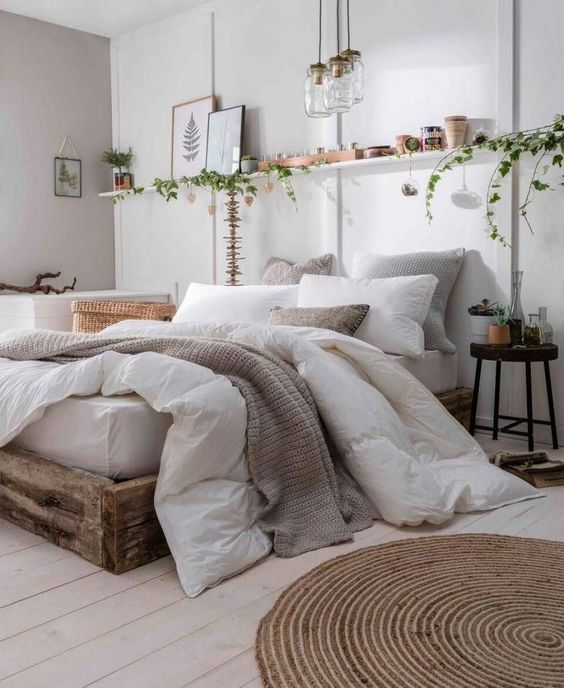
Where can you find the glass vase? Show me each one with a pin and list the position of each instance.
(516, 309)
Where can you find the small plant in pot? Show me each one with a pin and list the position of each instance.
(119, 160)
(499, 333)
(482, 316)
(249, 164)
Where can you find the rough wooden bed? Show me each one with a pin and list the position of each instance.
(111, 524)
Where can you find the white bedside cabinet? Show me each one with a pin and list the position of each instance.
(54, 312)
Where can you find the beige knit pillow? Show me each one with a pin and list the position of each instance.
(280, 271)
(342, 319)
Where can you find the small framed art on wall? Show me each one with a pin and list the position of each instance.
(225, 140)
(68, 177)
(189, 135)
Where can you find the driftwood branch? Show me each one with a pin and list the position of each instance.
(38, 287)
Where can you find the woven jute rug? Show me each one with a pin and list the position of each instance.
(460, 611)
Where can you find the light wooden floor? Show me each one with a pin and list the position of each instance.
(64, 622)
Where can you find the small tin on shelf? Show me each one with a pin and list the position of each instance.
(432, 138)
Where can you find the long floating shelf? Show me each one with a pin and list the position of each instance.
(380, 165)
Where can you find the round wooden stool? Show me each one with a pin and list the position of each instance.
(510, 354)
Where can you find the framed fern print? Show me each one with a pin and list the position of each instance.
(189, 136)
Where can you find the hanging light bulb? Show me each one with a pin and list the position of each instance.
(313, 87)
(353, 57)
(338, 80)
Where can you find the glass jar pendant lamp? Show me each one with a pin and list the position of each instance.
(353, 57)
(313, 87)
(338, 79)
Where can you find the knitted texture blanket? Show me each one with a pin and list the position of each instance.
(311, 501)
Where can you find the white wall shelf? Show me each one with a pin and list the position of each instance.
(369, 165)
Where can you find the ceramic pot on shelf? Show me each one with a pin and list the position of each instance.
(249, 166)
(455, 130)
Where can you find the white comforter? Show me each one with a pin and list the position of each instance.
(413, 460)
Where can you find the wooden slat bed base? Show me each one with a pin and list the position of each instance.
(111, 524)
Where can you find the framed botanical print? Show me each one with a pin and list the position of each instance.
(68, 177)
(225, 140)
(189, 135)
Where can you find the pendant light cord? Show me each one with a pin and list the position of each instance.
(320, 25)
(348, 26)
(338, 26)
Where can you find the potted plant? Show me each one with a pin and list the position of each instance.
(118, 160)
(482, 316)
(499, 333)
(249, 164)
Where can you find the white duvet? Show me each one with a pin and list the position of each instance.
(412, 459)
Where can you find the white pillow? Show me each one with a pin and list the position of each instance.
(216, 303)
(398, 307)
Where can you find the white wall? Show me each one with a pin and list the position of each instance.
(55, 82)
(539, 96)
(423, 61)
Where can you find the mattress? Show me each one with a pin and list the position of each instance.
(117, 437)
(437, 370)
(123, 437)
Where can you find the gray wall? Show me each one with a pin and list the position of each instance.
(53, 82)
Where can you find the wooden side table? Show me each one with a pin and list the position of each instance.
(527, 355)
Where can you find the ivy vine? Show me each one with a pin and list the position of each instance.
(544, 143)
(238, 183)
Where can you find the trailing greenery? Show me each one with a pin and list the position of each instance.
(238, 183)
(545, 143)
(117, 158)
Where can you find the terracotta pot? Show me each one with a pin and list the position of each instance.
(400, 140)
(499, 335)
(455, 130)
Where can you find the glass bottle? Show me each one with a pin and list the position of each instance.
(547, 330)
(532, 335)
(517, 318)
(353, 56)
(338, 85)
(313, 91)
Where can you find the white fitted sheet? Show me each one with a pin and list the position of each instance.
(437, 370)
(118, 437)
(123, 437)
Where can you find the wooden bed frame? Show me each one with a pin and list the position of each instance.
(111, 524)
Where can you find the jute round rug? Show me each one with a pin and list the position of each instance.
(459, 611)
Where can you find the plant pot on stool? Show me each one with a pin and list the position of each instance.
(499, 335)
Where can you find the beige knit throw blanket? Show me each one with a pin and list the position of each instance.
(311, 501)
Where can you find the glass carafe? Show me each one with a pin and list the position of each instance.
(517, 318)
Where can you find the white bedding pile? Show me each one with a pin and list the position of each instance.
(413, 460)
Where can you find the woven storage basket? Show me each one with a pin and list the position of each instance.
(93, 316)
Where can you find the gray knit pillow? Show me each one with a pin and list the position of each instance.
(343, 319)
(280, 271)
(443, 264)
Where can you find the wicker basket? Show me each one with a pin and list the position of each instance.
(93, 316)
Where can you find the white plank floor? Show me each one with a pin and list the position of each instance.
(66, 623)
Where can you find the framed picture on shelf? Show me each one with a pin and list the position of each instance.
(225, 139)
(68, 177)
(189, 136)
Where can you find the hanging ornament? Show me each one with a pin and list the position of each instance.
(249, 200)
(212, 207)
(313, 87)
(268, 185)
(191, 195)
(410, 187)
